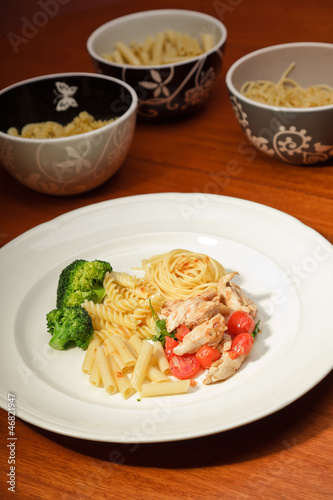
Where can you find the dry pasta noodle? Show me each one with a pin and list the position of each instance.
(83, 122)
(167, 47)
(181, 273)
(287, 92)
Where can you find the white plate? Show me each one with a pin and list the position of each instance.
(285, 266)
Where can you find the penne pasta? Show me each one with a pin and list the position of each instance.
(105, 371)
(127, 54)
(89, 357)
(153, 373)
(95, 376)
(167, 47)
(161, 359)
(147, 44)
(158, 48)
(144, 56)
(141, 366)
(121, 381)
(117, 57)
(111, 351)
(120, 347)
(207, 41)
(165, 389)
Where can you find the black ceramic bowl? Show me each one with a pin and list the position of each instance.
(167, 90)
(66, 165)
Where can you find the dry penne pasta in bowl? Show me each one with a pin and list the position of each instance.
(171, 57)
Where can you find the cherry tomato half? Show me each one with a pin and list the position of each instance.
(170, 344)
(185, 366)
(241, 345)
(206, 355)
(240, 322)
(181, 331)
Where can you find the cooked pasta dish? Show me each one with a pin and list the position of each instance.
(154, 335)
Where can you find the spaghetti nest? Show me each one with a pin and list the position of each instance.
(287, 92)
(180, 273)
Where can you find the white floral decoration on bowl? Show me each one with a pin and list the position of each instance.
(286, 142)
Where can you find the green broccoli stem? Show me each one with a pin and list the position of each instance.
(60, 337)
(98, 294)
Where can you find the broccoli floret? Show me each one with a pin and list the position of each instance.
(69, 326)
(82, 280)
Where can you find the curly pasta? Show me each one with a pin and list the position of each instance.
(125, 309)
(124, 279)
(83, 122)
(104, 312)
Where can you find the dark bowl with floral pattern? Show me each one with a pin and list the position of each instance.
(295, 135)
(166, 90)
(69, 164)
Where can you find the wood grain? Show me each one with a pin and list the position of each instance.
(285, 455)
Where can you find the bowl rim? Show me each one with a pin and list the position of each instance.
(238, 62)
(156, 12)
(132, 109)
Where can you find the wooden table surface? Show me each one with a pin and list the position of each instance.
(285, 455)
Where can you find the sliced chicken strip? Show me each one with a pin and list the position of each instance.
(210, 332)
(168, 307)
(206, 310)
(225, 344)
(179, 311)
(223, 368)
(233, 296)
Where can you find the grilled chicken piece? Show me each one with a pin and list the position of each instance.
(223, 368)
(233, 296)
(177, 312)
(210, 332)
(225, 344)
(169, 305)
(204, 312)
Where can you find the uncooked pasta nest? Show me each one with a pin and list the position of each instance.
(83, 122)
(287, 92)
